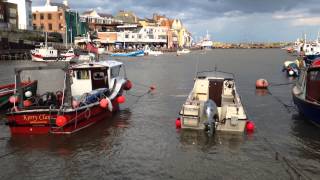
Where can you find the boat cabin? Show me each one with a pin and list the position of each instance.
(90, 76)
(46, 51)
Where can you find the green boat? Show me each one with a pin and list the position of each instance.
(6, 91)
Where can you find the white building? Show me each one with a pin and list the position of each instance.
(24, 13)
(144, 35)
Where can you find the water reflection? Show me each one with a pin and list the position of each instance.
(201, 139)
(262, 92)
(307, 133)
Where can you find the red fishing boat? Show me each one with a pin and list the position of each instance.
(6, 91)
(91, 92)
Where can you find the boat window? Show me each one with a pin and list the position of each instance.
(314, 76)
(98, 76)
(83, 74)
(115, 71)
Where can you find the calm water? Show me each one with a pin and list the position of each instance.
(141, 141)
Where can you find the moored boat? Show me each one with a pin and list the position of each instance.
(151, 52)
(90, 92)
(129, 54)
(306, 93)
(47, 54)
(214, 104)
(183, 51)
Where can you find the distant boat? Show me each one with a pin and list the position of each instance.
(129, 54)
(291, 68)
(151, 52)
(183, 51)
(306, 93)
(45, 53)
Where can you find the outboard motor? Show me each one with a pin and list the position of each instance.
(211, 112)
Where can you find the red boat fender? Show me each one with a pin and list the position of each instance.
(128, 85)
(178, 123)
(13, 99)
(121, 99)
(262, 84)
(61, 121)
(27, 103)
(250, 126)
(103, 103)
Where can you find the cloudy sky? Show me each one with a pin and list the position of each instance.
(225, 20)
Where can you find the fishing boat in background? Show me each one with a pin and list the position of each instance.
(148, 51)
(6, 92)
(206, 43)
(88, 93)
(129, 54)
(47, 54)
(306, 93)
(214, 104)
(183, 51)
(292, 68)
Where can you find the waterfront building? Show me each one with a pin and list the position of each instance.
(100, 22)
(50, 17)
(59, 18)
(8, 15)
(181, 34)
(127, 17)
(24, 13)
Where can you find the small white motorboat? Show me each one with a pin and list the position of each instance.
(213, 104)
(183, 51)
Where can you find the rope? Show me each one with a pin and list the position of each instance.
(286, 106)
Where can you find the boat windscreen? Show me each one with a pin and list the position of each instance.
(49, 80)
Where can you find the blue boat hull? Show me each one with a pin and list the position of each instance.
(310, 110)
(130, 54)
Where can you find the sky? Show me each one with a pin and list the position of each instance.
(225, 20)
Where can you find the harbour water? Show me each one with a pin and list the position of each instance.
(141, 141)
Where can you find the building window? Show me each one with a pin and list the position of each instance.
(34, 27)
(41, 16)
(60, 27)
(60, 16)
(13, 12)
(42, 26)
(34, 16)
(49, 16)
(127, 36)
(50, 27)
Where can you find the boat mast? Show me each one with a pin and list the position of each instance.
(46, 42)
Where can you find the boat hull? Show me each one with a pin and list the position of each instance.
(131, 54)
(39, 58)
(308, 109)
(43, 121)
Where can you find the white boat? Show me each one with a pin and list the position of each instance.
(45, 54)
(183, 51)
(151, 52)
(206, 43)
(213, 104)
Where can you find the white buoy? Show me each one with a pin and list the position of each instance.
(291, 73)
(28, 94)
